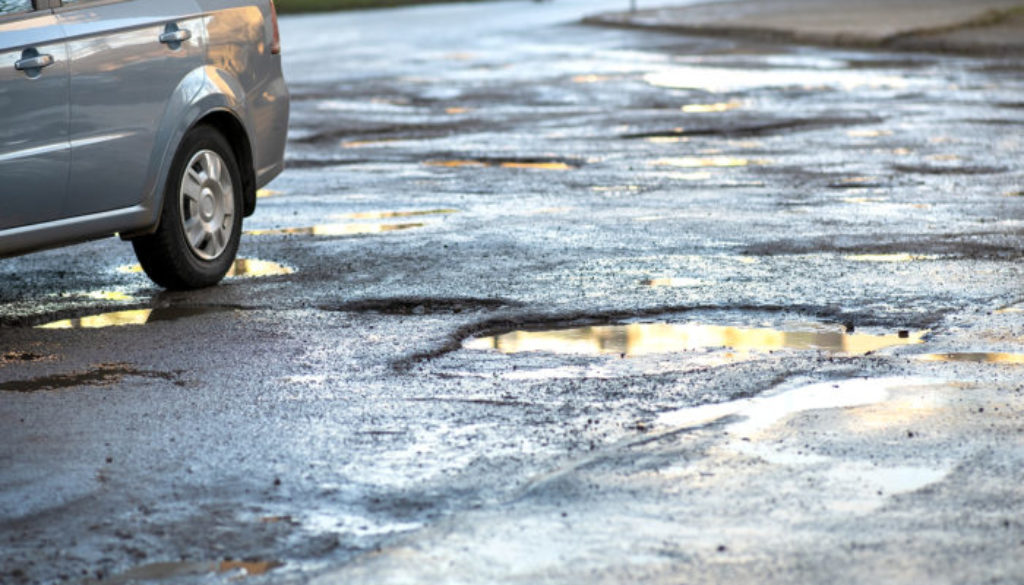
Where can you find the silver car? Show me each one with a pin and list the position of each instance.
(157, 120)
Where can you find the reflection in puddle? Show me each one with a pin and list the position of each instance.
(869, 483)
(265, 193)
(133, 317)
(762, 412)
(711, 108)
(251, 268)
(167, 571)
(691, 162)
(673, 282)
(393, 214)
(657, 338)
(337, 229)
(974, 357)
(242, 268)
(510, 164)
(868, 133)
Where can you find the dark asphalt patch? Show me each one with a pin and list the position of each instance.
(102, 375)
(757, 129)
(949, 170)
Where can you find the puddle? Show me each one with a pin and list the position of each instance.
(974, 358)
(866, 484)
(337, 229)
(762, 412)
(544, 165)
(251, 268)
(640, 339)
(370, 215)
(242, 268)
(673, 282)
(167, 571)
(132, 317)
(868, 133)
(103, 375)
(711, 108)
(691, 162)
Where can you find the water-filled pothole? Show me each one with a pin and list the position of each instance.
(242, 268)
(978, 357)
(637, 339)
(132, 317)
(337, 229)
(534, 164)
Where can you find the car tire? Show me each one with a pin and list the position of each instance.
(200, 226)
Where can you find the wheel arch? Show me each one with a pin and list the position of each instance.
(206, 96)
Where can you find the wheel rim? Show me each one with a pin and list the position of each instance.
(207, 205)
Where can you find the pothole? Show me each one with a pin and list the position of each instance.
(241, 268)
(337, 229)
(132, 317)
(974, 357)
(102, 375)
(544, 164)
(178, 570)
(422, 305)
(639, 339)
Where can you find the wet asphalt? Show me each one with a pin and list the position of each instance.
(541, 302)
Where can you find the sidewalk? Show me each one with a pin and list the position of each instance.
(958, 26)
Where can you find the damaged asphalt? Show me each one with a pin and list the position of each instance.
(544, 302)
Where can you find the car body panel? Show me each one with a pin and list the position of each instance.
(34, 146)
(121, 79)
(225, 69)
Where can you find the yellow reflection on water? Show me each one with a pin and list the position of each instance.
(116, 319)
(337, 229)
(693, 162)
(544, 166)
(656, 338)
(394, 214)
(974, 357)
(868, 133)
(242, 267)
(590, 78)
(454, 164)
(711, 108)
(251, 268)
(264, 193)
(456, 111)
(673, 282)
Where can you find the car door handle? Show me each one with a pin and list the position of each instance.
(37, 62)
(175, 36)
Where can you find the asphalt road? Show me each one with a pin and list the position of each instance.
(539, 302)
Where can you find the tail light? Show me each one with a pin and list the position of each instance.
(275, 46)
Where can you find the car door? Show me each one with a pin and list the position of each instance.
(34, 150)
(127, 59)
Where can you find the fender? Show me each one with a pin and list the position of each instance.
(204, 91)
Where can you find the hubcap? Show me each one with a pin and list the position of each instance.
(207, 205)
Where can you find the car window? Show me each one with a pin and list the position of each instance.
(14, 6)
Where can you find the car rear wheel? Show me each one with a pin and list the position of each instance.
(201, 222)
